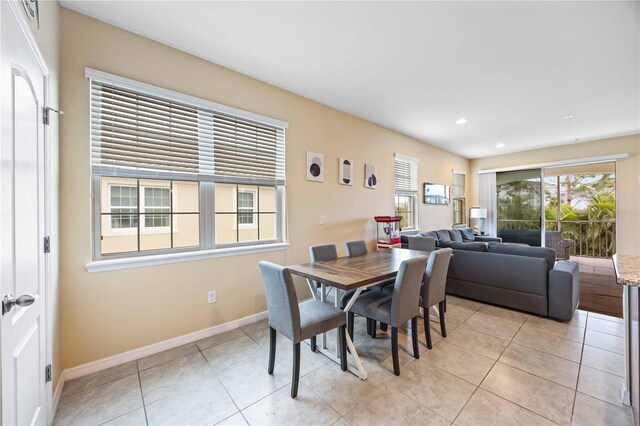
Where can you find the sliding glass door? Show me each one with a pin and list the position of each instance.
(519, 206)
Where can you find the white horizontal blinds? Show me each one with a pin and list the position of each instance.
(406, 176)
(458, 184)
(137, 134)
(246, 151)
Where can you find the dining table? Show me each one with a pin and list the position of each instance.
(351, 273)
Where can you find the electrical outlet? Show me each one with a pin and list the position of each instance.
(321, 220)
(211, 296)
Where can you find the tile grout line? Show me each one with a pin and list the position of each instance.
(519, 406)
(216, 374)
(144, 406)
(240, 411)
(575, 395)
(508, 400)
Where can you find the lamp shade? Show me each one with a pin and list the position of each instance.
(478, 213)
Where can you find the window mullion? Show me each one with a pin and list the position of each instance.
(207, 215)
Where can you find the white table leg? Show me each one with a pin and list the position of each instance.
(323, 348)
(312, 288)
(361, 372)
(323, 297)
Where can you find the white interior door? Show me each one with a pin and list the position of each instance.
(22, 267)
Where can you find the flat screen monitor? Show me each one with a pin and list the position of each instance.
(435, 193)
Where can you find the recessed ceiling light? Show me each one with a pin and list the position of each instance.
(566, 117)
(500, 145)
(461, 121)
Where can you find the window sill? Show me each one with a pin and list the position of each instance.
(161, 259)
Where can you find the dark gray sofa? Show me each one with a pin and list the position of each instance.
(524, 278)
(444, 236)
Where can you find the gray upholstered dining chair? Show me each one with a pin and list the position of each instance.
(433, 289)
(356, 248)
(359, 248)
(320, 253)
(399, 307)
(297, 321)
(422, 243)
(326, 252)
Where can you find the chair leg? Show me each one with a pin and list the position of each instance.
(295, 375)
(442, 308)
(313, 344)
(427, 328)
(272, 349)
(373, 327)
(343, 347)
(383, 326)
(414, 337)
(394, 350)
(445, 303)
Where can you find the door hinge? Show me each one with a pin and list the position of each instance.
(47, 244)
(46, 111)
(47, 373)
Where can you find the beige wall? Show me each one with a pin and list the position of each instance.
(47, 38)
(627, 178)
(111, 312)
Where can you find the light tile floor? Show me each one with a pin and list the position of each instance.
(496, 367)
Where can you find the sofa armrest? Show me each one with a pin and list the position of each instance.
(485, 239)
(564, 290)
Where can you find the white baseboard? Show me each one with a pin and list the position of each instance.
(132, 355)
(57, 393)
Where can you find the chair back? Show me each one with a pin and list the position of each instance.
(406, 290)
(356, 248)
(282, 300)
(322, 252)
(422, 243)
(435, 277)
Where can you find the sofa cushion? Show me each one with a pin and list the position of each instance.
(431, 234)
(515, 273)
(548, 254)
(455, 235)
(467, 234)
(471, 246)
(443, 235)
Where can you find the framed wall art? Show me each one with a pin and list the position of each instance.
(346, 171)
(315, 166)
(370, 176)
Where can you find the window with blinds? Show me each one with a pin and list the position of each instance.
(150, 140)
(458, 185)
(406, 175)
(406, 190)
(459, 202)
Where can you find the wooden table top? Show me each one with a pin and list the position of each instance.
(347, 273)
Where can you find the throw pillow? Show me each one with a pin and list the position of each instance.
(455, 235)
(443, 235)
(467, 234)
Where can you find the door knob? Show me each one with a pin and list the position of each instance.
(9, 301)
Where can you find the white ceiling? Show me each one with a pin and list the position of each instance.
(513, 69)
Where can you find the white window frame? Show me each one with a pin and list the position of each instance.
(414, 222)
(120, 231)
(462, 197)
(414, 207)
(207, 248)
(109, 231)
(254, 224)
(143, 212)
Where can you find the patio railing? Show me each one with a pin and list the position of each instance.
(592, 238)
